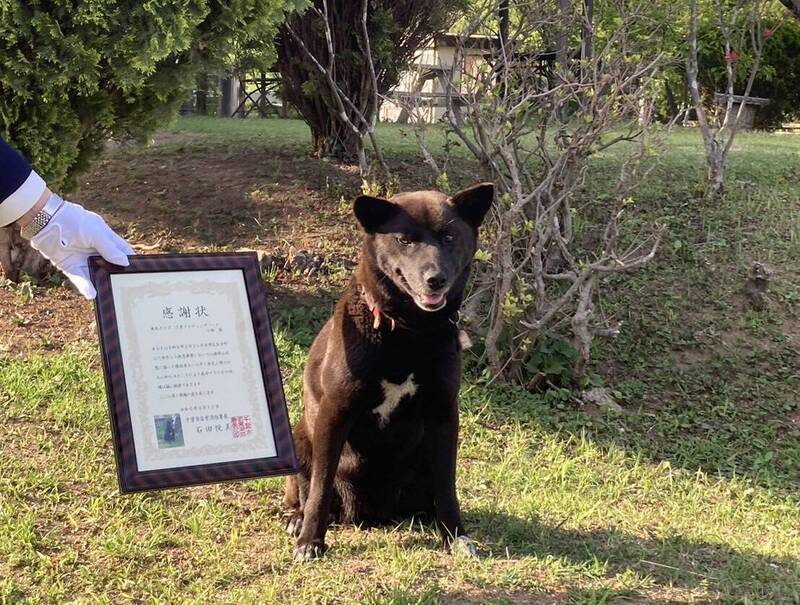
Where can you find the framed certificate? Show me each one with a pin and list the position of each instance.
(194, 389)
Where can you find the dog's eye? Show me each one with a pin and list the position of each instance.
(404, 240)
(448, 237)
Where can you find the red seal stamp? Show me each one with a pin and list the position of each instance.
(241, 426)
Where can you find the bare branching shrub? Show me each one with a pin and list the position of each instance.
(740, 24)
(532, 118)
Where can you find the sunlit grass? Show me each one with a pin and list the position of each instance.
(555, 511)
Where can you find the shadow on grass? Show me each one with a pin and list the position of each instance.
(300, 316)
(735, 413)
(218, 182)
(733, 420)
(669, 561)
(493, 596)
(576, 596)
(661, 564)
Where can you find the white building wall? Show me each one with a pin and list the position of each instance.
(442, 56)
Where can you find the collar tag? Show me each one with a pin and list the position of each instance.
(375, 310)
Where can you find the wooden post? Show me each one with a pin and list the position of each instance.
(230, 96)
(587, 30)
(263, 102)
(202, 94)
(503, 10)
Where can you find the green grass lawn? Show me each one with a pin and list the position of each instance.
(690, 495)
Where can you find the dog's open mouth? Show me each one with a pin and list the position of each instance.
(431, 302)
(426, 302)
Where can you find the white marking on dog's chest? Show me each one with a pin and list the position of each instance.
(392, 394)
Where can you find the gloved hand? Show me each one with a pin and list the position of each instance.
(72, 236)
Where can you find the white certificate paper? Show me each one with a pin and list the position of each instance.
(195, 390)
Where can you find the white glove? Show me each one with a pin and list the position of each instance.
(72, 236)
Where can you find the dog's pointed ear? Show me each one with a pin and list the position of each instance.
(474, 202)
(373, 212)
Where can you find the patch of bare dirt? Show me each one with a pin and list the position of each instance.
(690, 358)
(54, 317)
(220, 197)
(171, 197)
(190, 199)
(791, 328)
(519, 597)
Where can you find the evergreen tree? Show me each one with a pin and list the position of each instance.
(397, 29)
(76, 72)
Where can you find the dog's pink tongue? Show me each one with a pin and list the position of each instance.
(433, 300)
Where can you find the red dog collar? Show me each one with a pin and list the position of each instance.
(373, 307)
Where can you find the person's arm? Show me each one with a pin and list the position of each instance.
(63, 232)
(21, 189)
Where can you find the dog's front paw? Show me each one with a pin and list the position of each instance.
(463, 546)
(309, 550)
(295, 525)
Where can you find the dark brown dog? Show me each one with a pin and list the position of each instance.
(379, 432)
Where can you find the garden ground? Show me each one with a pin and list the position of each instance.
(689, 495)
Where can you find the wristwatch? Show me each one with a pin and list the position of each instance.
(42, 217)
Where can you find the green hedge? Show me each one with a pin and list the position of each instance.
(76, 72)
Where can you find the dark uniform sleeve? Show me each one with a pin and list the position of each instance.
(20, 186)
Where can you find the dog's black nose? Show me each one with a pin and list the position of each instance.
(436, 281)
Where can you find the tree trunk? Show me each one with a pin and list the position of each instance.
(716, 175)
(17, 257)
(333, 139)
(307, 90)
(562, 42)
(672, 103)
(230, 96)
(587, 30)
(503, 13)
(202, 95)
(562, 52)
(345, 59)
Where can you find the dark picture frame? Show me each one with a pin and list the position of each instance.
(131, 479)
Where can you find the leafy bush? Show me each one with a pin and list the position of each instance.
(73, 74)
(552, 362)
(778, 78)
